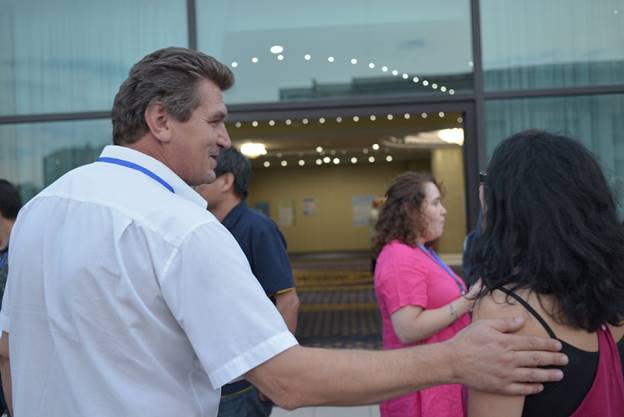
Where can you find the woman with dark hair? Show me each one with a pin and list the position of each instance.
(552, 249)
(421, 299)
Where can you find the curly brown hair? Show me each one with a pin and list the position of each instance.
(400, 216)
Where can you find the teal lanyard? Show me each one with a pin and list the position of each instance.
(435, 258)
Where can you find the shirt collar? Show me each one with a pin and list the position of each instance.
(181, 188)
(234, 215)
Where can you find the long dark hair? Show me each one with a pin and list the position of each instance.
(399, 216)
(550, 226)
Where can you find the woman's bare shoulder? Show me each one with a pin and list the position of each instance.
(497, 304)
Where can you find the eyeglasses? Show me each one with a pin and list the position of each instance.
(482, 176)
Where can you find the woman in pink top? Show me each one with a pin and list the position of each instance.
(421, 299)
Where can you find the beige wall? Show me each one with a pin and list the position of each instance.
(447, 165)
(332, 188)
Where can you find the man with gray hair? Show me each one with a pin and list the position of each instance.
(126, 297)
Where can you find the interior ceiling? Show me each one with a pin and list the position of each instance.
(344, 137)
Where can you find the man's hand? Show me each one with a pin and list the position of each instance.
(487, 359)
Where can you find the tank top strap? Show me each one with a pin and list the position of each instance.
(530, 310)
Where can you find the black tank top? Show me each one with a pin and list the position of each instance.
(560, 399)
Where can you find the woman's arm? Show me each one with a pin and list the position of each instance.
(483, 404)
(412, 324)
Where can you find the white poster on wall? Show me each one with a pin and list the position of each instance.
(362, 205)
(286, 212)
(309, 206)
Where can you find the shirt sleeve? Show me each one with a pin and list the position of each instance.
(5, 323)
(269, 260)
(403, 280)
(231, 324)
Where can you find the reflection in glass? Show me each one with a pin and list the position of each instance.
(72, 55)
(558, 43)
(338, 49)
(597, 121)
(33, 156)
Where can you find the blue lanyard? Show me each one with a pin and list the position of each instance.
(138, 168)
(434, 257)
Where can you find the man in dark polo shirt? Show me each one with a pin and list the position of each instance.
(265, 248)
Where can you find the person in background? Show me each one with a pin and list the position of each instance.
(552, 249)
(421, 299)
(265, 249)
(10, 204)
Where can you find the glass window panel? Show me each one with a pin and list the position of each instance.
(555, 43)
(416, 38)
(596, 121)
(72, 55)
(33, 155)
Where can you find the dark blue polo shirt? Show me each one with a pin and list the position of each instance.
(263, 245)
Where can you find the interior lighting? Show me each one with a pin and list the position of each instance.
(425, 83)
(354, 61)
(319, 161)
(254, 59)
(389, 117)
(332, 152)
(434, 86)
(279, 155)
(271, 122)
(280, 57)
(389, 158)
(470, 64)
(371, 65)
(415, 79)
(365, 151)
(307, 57)
(284, 163)
(254, 123)
(330, 59)
(234, 64)
(327, 159)
(371, 159)
(451, 91)
(443, 89)
(460, 119)
(356, 119)
(406, 116)
(338, 119)
(395, 72)
(304, 121)
(288, 122)
(321, 120)
(423, 115)
(301, 162)
(441, 114)
(405, 76)
(238, 124)
(353, 160)
(277, 49)
(375, 146)
(319, 149)
(266, 164)
(253, 150)
(384, 68)
(336, 161)
(373, 117)
(454, 135)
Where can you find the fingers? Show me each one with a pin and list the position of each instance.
(535, 343)
(532, 359)
(537, 375)
(522, 389)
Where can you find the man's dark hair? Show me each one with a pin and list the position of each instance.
(10, 201)
(550, 226)
(170, 76)
(231, 160)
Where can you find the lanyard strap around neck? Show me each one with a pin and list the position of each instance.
(137, 167)
(434, 257)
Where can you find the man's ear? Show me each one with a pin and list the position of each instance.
(228, 182)
(158, 121)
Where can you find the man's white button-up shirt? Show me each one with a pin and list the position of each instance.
(127, 299)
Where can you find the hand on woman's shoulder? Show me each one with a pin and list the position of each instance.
(497, 304)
